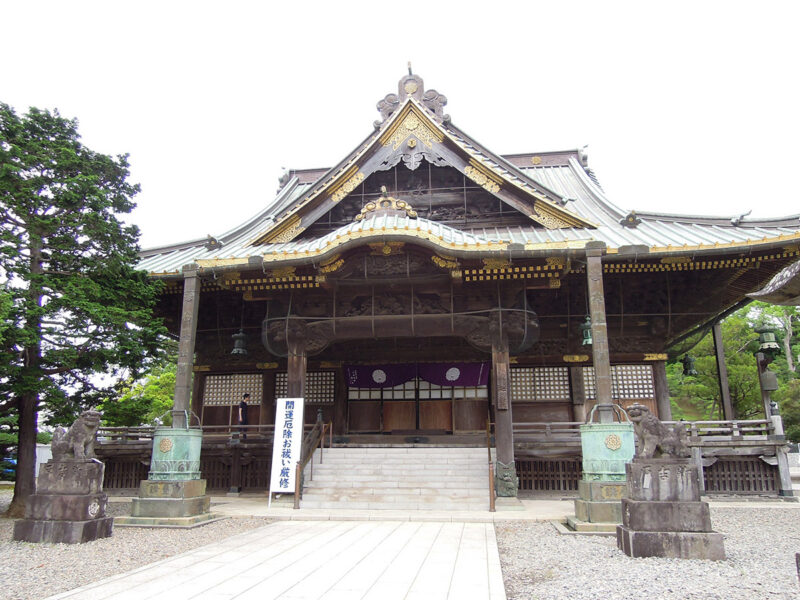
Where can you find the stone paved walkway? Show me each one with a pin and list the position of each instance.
(324, 560)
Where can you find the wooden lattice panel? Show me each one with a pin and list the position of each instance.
(628, 382)
(632, 382)
(540, 384)
(225, 390)
(320, 386)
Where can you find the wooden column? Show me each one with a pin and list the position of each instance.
(722, 373)
(662, 390)
(183, 376)
(597, 311)
(505, 471)
(578, 394)
(266, 415)
(340, 403)
(297, 367)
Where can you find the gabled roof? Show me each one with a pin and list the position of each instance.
(556, 189)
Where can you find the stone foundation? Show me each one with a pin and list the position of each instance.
(169, 504)
(663, 515)
(69, 506)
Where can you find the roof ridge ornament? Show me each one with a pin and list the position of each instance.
(412, 86)
(386, 204)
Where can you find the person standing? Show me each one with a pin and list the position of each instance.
(243, 414)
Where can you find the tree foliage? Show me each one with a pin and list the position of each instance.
(699, 398)
(142, 402)
(77, 306)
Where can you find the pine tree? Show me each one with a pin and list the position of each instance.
(75, 303)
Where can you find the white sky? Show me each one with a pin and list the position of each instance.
(688, 107)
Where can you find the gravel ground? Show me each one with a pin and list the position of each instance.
(35, 571)
(538, 563)
(760, 544)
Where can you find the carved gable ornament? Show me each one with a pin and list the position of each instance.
(413, 128)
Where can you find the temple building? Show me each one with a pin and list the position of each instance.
(426, 284)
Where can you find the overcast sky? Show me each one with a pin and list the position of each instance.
(690, 108)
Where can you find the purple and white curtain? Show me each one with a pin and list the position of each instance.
(442, 374)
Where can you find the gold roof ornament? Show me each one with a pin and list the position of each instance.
(386, 204)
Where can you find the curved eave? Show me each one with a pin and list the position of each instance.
(783, 289)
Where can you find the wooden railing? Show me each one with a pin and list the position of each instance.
(311, 442)
(123, 435)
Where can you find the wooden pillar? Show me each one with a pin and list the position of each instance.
(578, 394)
(183, 376)
(663, 403)
(340, 403)
(722, 374)
(597, 310)
(296, 367)
(506, 482)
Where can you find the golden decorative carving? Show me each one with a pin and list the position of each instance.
(165, 445)
(267, 365)
(412, 124)
(655, 357)
(283, 272)
(330, 364)
(201, 368)
(347, 187)
(412, 143)
(613, 442)
(496, 263)
(676, 260)
(536, 160)
(444, 262)
(575, 358)
(555, 283)
(334, 266)
(411, 87)
(286, 232)
(386, 202)
(481, 179)
(386, 248)
(548, 218)
(555, 261)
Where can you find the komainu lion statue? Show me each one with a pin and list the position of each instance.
(652, 435)
(78, 441)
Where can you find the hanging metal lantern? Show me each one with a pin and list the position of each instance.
(767, 344)
(239, 343)
(688, 365)
(586, 331)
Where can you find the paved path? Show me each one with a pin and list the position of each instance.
(324, 560)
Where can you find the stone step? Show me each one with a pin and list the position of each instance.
(461, 482)
(440, 506)
(390, 493)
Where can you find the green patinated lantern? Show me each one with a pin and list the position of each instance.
(688, 365)
(767, 344)
(586, 331)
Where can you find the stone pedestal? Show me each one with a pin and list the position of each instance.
(173, 495)
(663, 515)
(69, 506)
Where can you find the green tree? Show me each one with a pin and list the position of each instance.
(78, 305)
(143, 401)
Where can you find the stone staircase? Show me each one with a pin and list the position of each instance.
(399, 478)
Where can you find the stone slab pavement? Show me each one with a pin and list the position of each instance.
(323, 560)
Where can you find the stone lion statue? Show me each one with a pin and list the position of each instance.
(78, 440)
(654, 436)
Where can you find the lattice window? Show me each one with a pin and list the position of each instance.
(632, 382)
(628, 382)
(427, 391)
(225, 390)
(540, 384)
(320, 386)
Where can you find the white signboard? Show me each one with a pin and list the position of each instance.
(287, 446)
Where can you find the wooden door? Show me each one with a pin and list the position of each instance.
(436, 415)
(399, 415)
